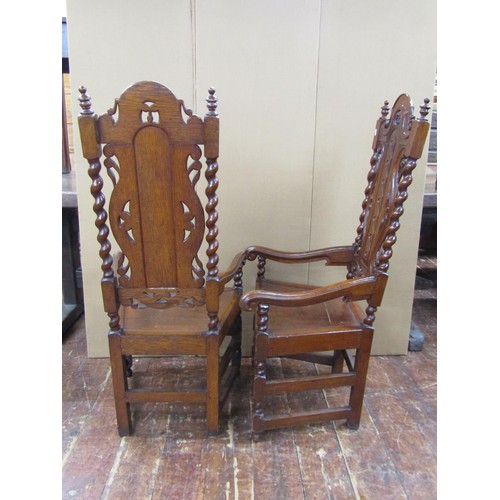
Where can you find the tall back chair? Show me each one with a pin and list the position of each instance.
(159, 302)
(300, 321)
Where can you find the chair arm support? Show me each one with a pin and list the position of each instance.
(225, 276)
(333, 256)
(354, 289)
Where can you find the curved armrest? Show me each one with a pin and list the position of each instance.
(353, 289)
(333, 256)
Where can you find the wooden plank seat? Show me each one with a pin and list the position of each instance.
(284, 322)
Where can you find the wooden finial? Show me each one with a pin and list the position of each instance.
(385, 109)
(211, 103)
(85, 102)
(424, 110)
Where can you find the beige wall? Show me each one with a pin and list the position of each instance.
(300, 85)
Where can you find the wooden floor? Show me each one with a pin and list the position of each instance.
(392, 455)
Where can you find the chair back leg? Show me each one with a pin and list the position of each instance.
(338, 361)
(212, 384)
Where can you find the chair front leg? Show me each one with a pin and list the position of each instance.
(259, 367)
(361, 371)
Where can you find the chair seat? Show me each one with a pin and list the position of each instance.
(326, 316)
(185, 321)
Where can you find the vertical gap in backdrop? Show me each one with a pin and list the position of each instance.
(193, 59)
(314, 139)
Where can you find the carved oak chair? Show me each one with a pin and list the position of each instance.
(156, 296)
(304, 322)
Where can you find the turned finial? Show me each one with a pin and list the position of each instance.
(424, 110)
(85, 102)
(385, 109)
(211, 103)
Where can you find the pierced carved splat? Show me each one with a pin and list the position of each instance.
(392, 162)
(161, 298)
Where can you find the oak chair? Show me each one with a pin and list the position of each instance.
(155, 293)
(302, 322)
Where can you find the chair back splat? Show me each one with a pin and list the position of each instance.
(306, 322)
(397, 144)
(159, 302)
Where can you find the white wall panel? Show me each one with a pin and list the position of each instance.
(300, 85)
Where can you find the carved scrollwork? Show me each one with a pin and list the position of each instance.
(194, 169)
(111, 163)
(161, 298)
(114, 111)
(197, 270)
(123, 269)
(189, 114)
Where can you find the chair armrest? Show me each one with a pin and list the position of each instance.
(353, 289)
(334, 256)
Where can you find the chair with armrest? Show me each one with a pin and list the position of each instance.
(156, 296)
(303, 321)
